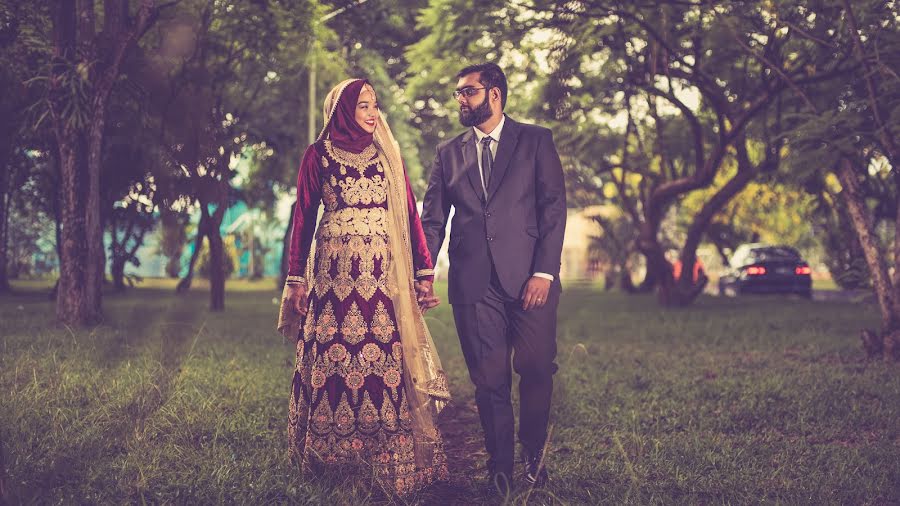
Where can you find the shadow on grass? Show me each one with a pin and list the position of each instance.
(125, 425)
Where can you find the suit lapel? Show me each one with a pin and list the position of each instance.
(470, 163)
(508, 140)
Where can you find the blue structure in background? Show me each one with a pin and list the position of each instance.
(239, 222)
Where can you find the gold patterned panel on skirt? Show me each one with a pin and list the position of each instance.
(354, 326)
(382, 325)
(368, 420)
(344, 419)
(326, 326)
(353, 221)
(342, 251)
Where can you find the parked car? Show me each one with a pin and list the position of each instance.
(764, 268)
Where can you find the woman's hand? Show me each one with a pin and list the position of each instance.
(296, 294)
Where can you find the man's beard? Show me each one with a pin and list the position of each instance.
(475, 116)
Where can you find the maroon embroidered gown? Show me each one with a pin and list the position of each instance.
(348, 401)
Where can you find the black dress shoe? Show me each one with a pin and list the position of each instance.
(535, 470)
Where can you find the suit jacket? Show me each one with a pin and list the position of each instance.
(518, 228)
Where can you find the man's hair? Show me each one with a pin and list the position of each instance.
(491, 76)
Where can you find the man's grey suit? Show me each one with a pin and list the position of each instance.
(496, 243)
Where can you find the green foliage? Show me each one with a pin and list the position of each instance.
(838, 116)
(771, 210)
(457, 33)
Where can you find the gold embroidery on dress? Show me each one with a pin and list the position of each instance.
(308, 325)
(340, 252)
(326, 326)
(342, 285)
(368, 416)
(388, 413)
(371, 352)
(337, 353)
(354, 381)
(354, 326)
(382, 325)
(354, 221)
(358, 161)
(329, 198)
(344, 420)
(364, 191)
(353, 256)
(405, 418)
(322, 417)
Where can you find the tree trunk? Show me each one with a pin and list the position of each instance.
(685, 288)
(216, 270)
(72, 298)
(865, 232)
(659, 271)
(96, 254)
(185, 283)
(76, 294)
(75, 40)
(117, 271)
(217, 255)
(648, 284)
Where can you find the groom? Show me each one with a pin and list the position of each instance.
(505, 182)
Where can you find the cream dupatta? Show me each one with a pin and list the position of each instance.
(424, 379)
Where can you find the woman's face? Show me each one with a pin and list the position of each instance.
(367, 109)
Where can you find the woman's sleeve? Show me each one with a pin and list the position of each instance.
(309, 194)
(422, 264)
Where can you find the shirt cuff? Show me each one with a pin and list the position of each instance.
(543, 275)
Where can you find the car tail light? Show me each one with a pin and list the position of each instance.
(803, 270)
(756, 270)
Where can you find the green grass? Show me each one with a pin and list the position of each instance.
(743, 400)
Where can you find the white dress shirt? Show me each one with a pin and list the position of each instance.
(495, 136)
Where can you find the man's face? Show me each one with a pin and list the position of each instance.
(474, 109)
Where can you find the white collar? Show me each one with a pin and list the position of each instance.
(495, 133)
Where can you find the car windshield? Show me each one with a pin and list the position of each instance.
(774, 253)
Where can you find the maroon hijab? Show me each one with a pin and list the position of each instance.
(343, 130)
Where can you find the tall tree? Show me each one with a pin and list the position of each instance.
(226, 71)
(21, 54)
(86, 65)
(692, 101)
(851, 127)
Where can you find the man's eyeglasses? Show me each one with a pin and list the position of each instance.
(468, 92)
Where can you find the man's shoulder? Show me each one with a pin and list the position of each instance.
(531, 129)
(453, 140)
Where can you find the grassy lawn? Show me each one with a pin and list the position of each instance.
(730, 401)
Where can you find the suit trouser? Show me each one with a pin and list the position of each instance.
(490, 331)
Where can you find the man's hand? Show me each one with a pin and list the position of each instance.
(425, 295)
(296, 294)
(536, 292)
